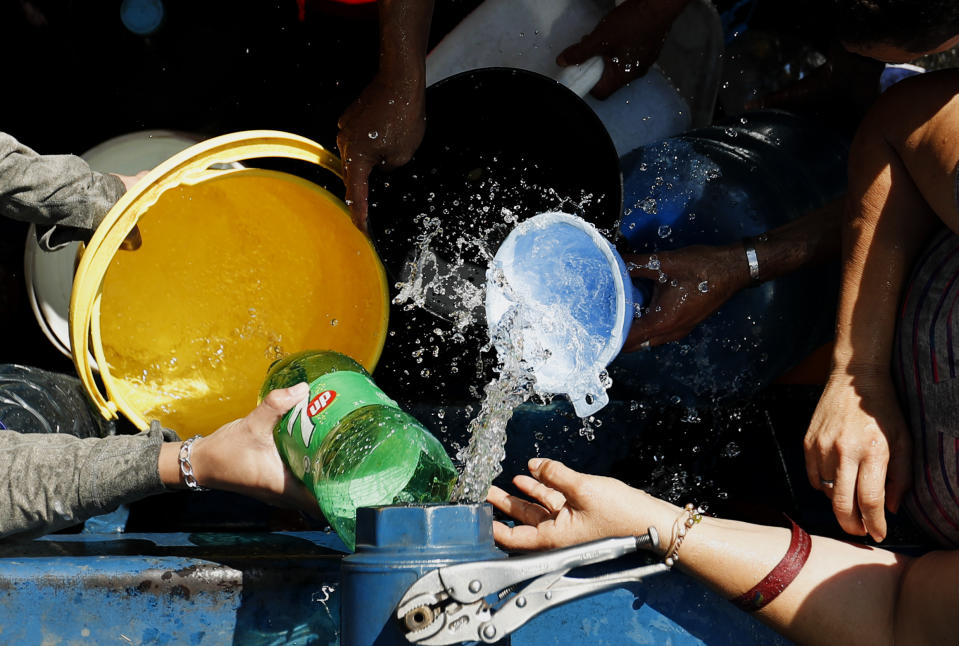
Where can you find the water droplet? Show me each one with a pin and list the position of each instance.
(731, 450)
(373, 134)
(664, 230)
(703, 286)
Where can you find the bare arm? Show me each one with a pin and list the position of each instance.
(901, 187)
(845, 593)
(385, 124)
(675, 310)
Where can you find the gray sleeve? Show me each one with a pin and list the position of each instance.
(54, 481)
(53, 190)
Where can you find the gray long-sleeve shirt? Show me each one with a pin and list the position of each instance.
(53, 481)
(60, 193)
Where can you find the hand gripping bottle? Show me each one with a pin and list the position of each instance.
(351, 445)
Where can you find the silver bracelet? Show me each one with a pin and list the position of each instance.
(752, 260)
(186, 467)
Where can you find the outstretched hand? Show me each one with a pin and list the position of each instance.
(689, 284)
(241, 456)
(383, 127)
(858, 451)
(629, 38)
(569, 507)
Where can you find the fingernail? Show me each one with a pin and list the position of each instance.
(534, 463)
(299, 391)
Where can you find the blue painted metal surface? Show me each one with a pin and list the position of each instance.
(257, 589)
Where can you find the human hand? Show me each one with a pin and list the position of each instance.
(629, 38)
(241, 456)
(858, 451)
(130, 180)
(569, 508)
(690, 284)
(383, 127)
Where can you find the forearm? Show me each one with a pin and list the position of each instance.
(877, 255)
(53, 189)
(404, 34)
(901, 187)
(845, 593)
(808, 240)
(53, 480)
(658, 10)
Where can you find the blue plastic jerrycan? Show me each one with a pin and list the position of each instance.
(714, 186)
(560, 296)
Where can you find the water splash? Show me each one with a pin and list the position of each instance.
(482, 459)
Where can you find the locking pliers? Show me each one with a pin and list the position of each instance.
(476, 602)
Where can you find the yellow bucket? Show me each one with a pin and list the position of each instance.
(238, 267)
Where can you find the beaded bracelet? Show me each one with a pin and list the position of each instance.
(690, 516)
(186, 467)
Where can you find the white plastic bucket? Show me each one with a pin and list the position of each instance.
(574, 300)
(49, 274)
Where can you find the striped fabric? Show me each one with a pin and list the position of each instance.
(925, 365)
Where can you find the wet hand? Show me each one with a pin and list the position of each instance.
(568, 508)
(383, 127)
(858, 451)
(241, 456)
(629, 38)
(689, 284)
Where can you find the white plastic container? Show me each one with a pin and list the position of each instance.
(678, 92)
(568, 301)
(49, 274)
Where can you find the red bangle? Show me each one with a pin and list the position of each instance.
(781, 576)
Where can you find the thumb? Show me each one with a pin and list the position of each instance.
(575, 54)
(276, 404)
(638, 270)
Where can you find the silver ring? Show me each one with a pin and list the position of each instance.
(828, 484)
(644, 345)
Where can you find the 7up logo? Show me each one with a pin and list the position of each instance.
(305, 411)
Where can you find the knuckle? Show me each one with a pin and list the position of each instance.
(870, 500)
(841, 505)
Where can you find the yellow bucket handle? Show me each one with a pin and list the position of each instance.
(190, 166)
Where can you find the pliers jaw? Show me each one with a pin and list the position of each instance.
(430, 616)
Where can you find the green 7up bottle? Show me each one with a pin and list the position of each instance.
(351, 445)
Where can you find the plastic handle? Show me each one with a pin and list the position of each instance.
(581, 78)
(187, 167)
